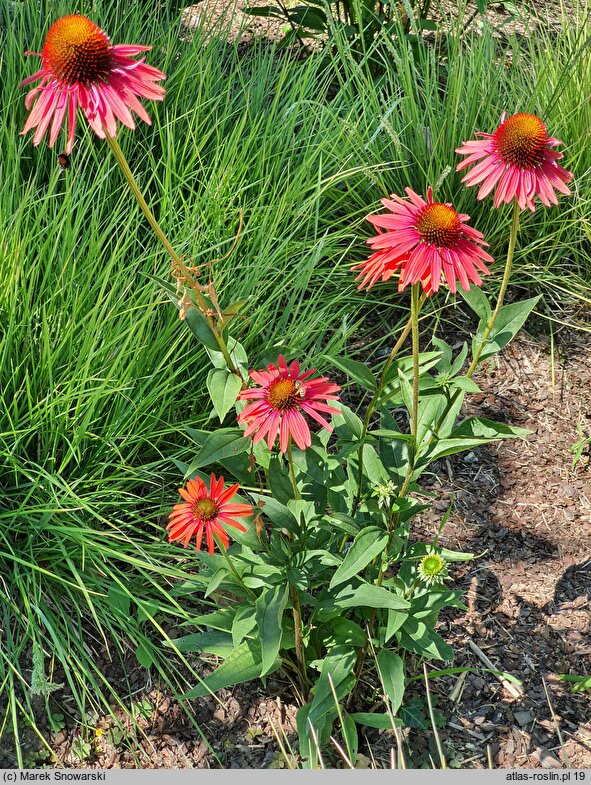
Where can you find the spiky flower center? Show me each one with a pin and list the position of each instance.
(432, 565)
(76, 51)
(283, 394)
(439, 224)
(521, 140)
(205, 509)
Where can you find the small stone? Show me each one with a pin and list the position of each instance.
(523, 718)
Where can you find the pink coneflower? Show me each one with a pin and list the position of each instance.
(423, 241)
(283, 395)
(82, 68)
(517, 159)
(206, 508)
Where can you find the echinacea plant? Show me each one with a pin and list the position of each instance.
(328, 570)
(324, 580)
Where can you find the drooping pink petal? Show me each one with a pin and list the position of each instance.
(80, 67)
(517, 161)
(432, 245)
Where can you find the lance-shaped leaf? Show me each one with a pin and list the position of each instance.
(223, 387)
(269, 613)
(391, 671)
(357, 371)
(243, 664)
(368, 544)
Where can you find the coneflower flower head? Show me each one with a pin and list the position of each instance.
(280, 401)
(423, 241)
(81, 68)
(206, 510)
(518, 160)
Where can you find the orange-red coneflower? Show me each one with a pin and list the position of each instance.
(423, 241)
(206, 510)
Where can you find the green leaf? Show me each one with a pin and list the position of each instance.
(269, 613)
(212, 642)
(391, 670)
(359, 372)
(237, 353)
(444, 362)
(144, 656)
(347, 424)
(477, 301)
(223, 386)
(312, 18)
(215, 581)
(198, 325)
(244, 622)
(118, 599)
(386, 433)
(345, 632)
(349, 731)
(413, 716)
(243, 664)
(368, 544)
(458, 363)
(309, 745)
(395, 621)
(223, 443)
(465, 384)
(431, 602)
(364, 595)
(264, 10)
(373, 468)
(344, 522)
(219, 620)
(418, 638)
(279, 482)
(480, 427)
(509, 321)
(277, 513)
(371, 720)
(338, 665)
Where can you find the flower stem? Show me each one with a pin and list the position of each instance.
(292, 477)
(502, 291)
(491, 321)
(414, 318)
(201, 301)
(299, 642)
(226, 555)
(372, 406)
(414, 415)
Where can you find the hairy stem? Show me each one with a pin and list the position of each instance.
(201, 302)
(502, 291)
(371, 408)
(299, 643)
(292, 477)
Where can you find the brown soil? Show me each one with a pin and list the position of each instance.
(228, 17)
(528, 510)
